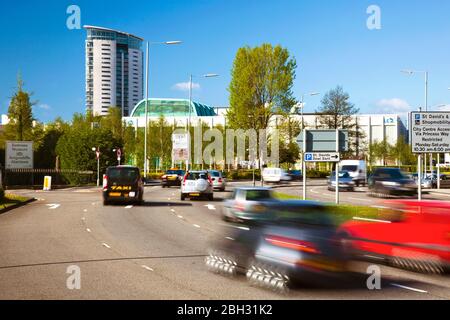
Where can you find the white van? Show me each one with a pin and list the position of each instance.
(275, 175)
(357, 170)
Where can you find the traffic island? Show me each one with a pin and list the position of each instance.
(12, 201)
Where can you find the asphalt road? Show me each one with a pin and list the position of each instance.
(154, 251)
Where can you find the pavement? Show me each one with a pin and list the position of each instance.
(154, 251)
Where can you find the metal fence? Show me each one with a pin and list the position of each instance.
(35, 177)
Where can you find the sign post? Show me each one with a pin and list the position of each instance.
(430, 133)
(180, 148)
(19, 155)
(322, 146)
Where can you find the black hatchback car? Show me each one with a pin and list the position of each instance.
(385, 182)
(123, 184)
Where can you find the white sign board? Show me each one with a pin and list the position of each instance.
(447, 158)
(322, 157)
(430, 132)
(19, 155)
(180, 147)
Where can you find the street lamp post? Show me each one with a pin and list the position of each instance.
(97, 153)
(146, 96)
(208, 75)
(302, 107)
(411, 72)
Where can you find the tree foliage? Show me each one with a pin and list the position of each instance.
(337, 112)
(261, 85)
(20, 114)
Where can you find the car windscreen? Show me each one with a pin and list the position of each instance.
(350, 168)
(341, 175)
(177, 172)
(391, 174)
(215, 173)
(123, 175)
(255, 195)
(196, 175)
(311, 215)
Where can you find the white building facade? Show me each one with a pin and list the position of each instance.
(114, 70)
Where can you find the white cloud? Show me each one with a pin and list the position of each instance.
(444, 108)
(394, 105)
(184, 86)
(43, 106)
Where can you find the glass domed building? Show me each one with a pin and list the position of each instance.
(175, 111)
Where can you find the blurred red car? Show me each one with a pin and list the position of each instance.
(413, 235)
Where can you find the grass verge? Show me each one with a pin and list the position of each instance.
(11, 200)
(344, 212)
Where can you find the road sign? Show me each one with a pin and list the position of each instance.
(323, 141)
(180, 146)
(430, 132)
(19, 155)
(322, 157)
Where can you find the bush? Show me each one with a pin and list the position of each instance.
(318, 174)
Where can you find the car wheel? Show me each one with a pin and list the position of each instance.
(268, 276)
(182, 197)
(105, 202)
(211, 197)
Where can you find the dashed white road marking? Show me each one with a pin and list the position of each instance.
(229, 238)
(83, 219)
(53, 206)
(106, 245)
(147, 268)
(371, 220)
(172, 210)
(85, 210)
(181, 217)
(88, 230)
(168, 199)
(196, 225)
(210, 207)
(93, 203)
(359, 199)
(408, 288)
(129, 207)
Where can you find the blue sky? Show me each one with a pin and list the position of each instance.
(329, 39)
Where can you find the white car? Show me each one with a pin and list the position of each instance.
(275, 175)
(197, 184)
(357, 170)
(219, 181)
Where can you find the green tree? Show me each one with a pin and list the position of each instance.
(45, 154)
(289, 129)
(74, 147)
(20, 114)
(261, 86)
(380, 150)
(337, 112)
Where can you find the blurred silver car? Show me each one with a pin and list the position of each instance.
(345, 181)
(219, 181)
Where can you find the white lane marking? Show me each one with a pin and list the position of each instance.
(88, 230)
(229, 238)
(210, 207)
(83, 219)
(408, 288)
(359, 199)
(40, 199)
(371, 220)
(85, 210)
(106, 245)
(196, 225)
(53, 206)
(128, 207)
(93, 203)
(181, 217)
(147, 268)
(168, 199)
(172, 210)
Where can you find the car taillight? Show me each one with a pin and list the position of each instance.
(239, 207)
(294, 244)
(220, 180)
(184, 180)
(164, 177)
(210, 180)
(105, 182)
